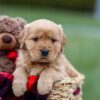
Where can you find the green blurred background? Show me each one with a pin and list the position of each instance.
(81, 22)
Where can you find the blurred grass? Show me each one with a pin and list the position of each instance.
(83, 47)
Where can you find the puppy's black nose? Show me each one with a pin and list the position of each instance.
(6, 39)
(44, 52)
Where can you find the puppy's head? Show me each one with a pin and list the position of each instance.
(43, 39)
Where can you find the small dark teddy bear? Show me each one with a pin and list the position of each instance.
(9, 31)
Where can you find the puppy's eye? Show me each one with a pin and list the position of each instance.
(53, 40)
(35, 39)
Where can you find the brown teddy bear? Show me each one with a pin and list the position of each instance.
(9, 31)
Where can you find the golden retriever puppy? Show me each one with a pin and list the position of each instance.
(41, 54)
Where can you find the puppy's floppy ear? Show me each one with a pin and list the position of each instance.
(21, 39)
(63, 37)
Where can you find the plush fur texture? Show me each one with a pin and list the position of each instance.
(38, 35)
(10, 28)
(9, 31)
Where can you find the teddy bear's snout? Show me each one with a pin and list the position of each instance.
(7, 39)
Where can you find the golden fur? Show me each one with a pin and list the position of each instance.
(38, 35)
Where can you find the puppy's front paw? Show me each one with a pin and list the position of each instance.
(44, 87)
(19, 87)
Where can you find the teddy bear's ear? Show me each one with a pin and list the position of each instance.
(21, 21)
(22, 39)
(3, 17)
(63, 37)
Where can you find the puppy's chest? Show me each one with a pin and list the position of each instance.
(35, 69)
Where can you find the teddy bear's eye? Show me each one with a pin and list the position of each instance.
(35, 39)
(53, 40)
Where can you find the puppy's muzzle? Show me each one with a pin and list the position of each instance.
(44, 52)
(7, 39)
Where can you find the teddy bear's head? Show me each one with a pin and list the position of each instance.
(9, 31)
